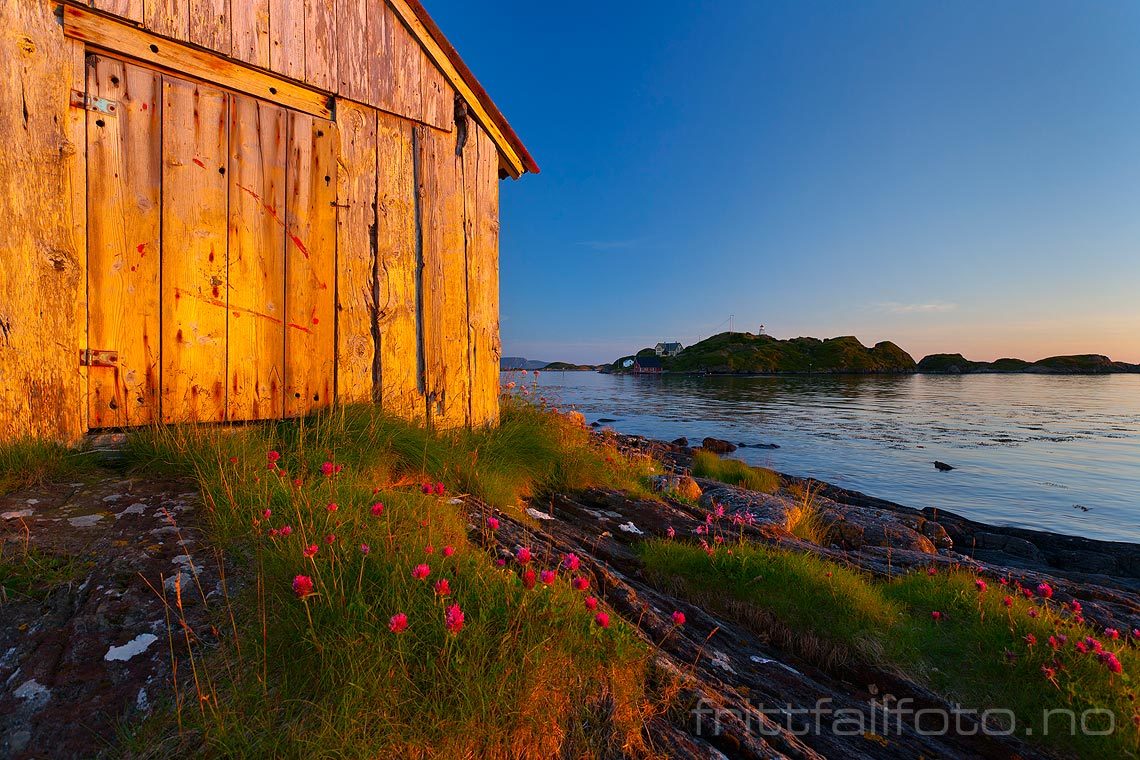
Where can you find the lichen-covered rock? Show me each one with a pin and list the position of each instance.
(763, 508)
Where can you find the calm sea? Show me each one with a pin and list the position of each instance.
(1029, 450)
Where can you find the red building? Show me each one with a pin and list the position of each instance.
(646, 365)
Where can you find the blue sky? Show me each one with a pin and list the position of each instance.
(959, 176)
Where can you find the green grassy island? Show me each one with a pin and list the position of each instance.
(734, 353)
(745, 353)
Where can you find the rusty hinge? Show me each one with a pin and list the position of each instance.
(80, 99)
(89, 357)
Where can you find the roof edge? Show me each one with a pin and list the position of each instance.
(468, 85)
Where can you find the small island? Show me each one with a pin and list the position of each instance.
(1078, 364)
(741, 353)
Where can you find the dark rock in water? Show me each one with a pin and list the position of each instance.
(942, 466)
(717, 446)
(682, 441)
(606, 419)
(758, 445)
(595, 424)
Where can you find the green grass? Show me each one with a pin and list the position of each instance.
(529, 673)
(706, 464)
(29, 462)
(832, 615)
(804, 518)
(27, 573)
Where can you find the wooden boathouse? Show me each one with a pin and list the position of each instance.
(224, 210)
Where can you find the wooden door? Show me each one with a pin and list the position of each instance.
(256, 384)
(195, 193)
(124, 240)
(212, 252)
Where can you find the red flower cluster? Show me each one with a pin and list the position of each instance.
(453, 619)
(302, 586)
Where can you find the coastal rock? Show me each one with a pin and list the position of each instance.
(682, 486)
(1017, 547)
(764, 508)
(682, 441)
(935, 532)
(718, 446)
(855, 529)
(94, 643)
(844, 526)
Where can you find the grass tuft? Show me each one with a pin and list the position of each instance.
(530, 672)
(707, 464)
(804, 518)
(30, 462)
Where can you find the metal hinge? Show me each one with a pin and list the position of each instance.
(89, 357)
(80, 99)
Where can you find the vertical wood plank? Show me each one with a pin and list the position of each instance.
(129, 9)
(249, 31)
(444, 279)
(210, 24)
(195, 124)
(75, 151)
(256, 345)
(352, 59)
(359, 370)
(41, 277)
(406, 59)
(321, 44)
(379, 74)
(287, 37)
(397, 263)
(124, 181)
(437, 98)
(170, 18)
(483, 307)
(310, 265)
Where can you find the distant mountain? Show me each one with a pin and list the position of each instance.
(518, 362)
(745, 353)
(1079, 364)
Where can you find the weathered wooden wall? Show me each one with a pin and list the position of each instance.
(358, 49)
(250, 260)
(42, 249)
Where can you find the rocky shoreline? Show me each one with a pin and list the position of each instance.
(730, 658)
(890, 538)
